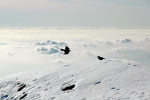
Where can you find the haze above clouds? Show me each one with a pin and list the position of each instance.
(88, 13)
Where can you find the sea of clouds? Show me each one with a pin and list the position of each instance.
(24, 49)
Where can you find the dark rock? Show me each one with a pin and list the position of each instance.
(22, 86)
(68, 88)
(113, 88)
(98, 82)
(23, 96)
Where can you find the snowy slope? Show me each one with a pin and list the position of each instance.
(109, 79)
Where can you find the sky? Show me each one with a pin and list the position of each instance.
(75, 13)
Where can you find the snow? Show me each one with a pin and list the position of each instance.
(109, 79)
(34, 68)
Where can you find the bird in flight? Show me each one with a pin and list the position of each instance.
(66, 50)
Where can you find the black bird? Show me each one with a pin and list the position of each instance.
(66, 50)
(100, 58)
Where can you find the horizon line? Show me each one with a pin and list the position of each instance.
(72, 27)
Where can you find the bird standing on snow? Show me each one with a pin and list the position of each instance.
(66, 50)
(100, 58)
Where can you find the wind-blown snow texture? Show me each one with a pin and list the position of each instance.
(108, 79)
(80, 75)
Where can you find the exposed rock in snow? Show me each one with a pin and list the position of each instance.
(24, 95)
(21, 86)
(70, 87)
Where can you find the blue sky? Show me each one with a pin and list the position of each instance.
(78, 13)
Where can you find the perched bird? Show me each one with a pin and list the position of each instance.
(66, 50)
(100, 58)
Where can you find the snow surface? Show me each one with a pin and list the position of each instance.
(109, 79)
(47, 72)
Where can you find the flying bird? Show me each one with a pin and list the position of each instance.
(66, 50)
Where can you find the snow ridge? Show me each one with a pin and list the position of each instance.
(109, 79)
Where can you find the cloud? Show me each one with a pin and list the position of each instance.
(126, 41)
(50, 47)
